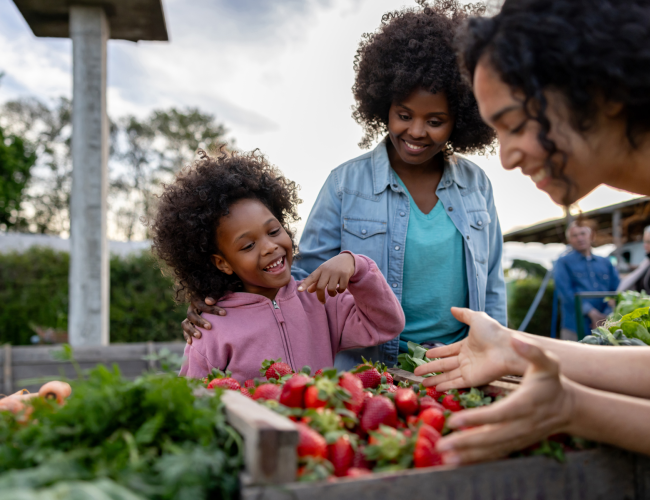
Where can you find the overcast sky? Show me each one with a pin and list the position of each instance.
(277, 73)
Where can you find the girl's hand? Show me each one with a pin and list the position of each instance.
(541, 406)
(485, 355)
(333, 275)
(194, 317)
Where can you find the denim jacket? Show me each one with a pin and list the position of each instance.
(575, 273)
(363, 209)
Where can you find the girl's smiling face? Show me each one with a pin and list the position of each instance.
(420, 126)
(254, 246)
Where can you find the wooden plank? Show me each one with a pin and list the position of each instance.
(270, 439)
(25, 355)
(494, 389)
(601, 474)
(642, 477)
(7, 375)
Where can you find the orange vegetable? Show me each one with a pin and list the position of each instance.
(12, 404)
(56, 390)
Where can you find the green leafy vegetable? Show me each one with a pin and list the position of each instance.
(414, 358)
(150, 436)
(629, 301)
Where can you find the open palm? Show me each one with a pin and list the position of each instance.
(485, 355)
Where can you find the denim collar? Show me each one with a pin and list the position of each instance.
(383, 177)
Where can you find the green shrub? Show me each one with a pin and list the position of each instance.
(521, 294)
(34, 291)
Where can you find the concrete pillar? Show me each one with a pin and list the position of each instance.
(89, 272)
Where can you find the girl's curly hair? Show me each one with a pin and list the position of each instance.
(413, 49)
(588, 50)
(185, 225)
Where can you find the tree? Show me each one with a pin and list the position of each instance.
(47, 198)
(150, 151)
(16, 160)
(143, 154)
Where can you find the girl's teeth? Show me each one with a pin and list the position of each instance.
(275, 264)
(539, 175)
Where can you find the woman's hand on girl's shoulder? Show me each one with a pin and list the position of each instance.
(194, 317)
(333, 275)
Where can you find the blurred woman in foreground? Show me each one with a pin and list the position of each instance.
(566, 86)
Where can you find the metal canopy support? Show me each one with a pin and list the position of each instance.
(89, 278)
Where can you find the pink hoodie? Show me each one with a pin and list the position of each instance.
(296, 327)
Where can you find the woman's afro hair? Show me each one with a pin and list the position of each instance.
(414, 48)
(588, 50)
(188, 213)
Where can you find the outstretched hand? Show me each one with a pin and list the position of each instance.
(483, 356)
(333, 276)
(541, 406)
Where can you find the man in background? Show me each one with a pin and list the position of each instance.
(580, 271)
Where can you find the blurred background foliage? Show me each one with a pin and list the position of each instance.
(525, 279)
(34, 294)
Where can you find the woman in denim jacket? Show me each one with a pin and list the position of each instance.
(423, 214)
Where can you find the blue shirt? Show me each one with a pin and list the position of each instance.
(434, 277)
(363, 209)
(575, 273)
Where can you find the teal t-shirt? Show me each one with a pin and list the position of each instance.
(435, 277)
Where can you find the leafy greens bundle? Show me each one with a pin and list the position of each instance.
(147, 438)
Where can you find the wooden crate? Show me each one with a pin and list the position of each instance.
(29, 362)
(604, 473)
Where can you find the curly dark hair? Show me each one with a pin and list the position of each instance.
(414, 49)
(588, 50)
(188, 213)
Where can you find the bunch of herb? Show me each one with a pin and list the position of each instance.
(151, 436)
(416, 356)
(629, 301)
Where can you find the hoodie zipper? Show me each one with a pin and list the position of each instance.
(283, 331)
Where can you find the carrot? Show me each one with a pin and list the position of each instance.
(12, 404)
(55, 390)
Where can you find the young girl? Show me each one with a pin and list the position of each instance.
(425, 215)
(222, 228)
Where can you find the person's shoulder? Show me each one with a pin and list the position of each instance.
(470, 172)
(363, 161)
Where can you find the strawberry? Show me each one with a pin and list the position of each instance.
(368, 374)
(226, 383)
(358, 471)
(275, 368)
(367, 395)
(425, 454)
(390, 388)
(360, 461)
(451, 402)
(429, 402)
(389, 377)
(354, 386)
(311, 399)
(250, 383)
(318, 372)
(293, 391)
(406, 401)
(267, 391)
(311, 443)
(246, 392)
(378, 410)
(433, 417)
(341, 454)
(431, 391)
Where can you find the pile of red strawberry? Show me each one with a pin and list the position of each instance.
(352, 423)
